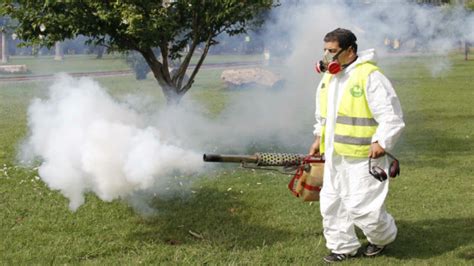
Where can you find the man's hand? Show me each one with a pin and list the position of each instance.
(376, 150)
(314, 150)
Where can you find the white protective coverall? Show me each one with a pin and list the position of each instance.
(350, 195)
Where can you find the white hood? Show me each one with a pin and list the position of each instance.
(364, 56)
(367, 55)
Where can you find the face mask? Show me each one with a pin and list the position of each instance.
(329, 63)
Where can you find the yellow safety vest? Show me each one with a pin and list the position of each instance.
(355, 124)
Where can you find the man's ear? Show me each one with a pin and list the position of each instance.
(351, 49)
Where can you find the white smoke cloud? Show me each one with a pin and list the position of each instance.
(420, 29)
(90, 143)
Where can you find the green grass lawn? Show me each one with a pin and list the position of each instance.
(43, 65)
(257, 221)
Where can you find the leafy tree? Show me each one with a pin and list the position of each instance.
(140, 25)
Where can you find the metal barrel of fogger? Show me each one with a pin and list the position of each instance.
(260, 159)
(222, 158)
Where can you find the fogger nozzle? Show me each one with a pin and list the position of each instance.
(230, 158)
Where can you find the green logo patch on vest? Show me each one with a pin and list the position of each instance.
(356, 91)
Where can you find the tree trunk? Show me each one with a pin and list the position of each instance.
(190, 82)
(100, 51)
(58, 55)
(172, 96)
(466, 50)
(4, 48)
(161, 73)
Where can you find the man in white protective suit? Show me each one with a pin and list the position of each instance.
(358, 117)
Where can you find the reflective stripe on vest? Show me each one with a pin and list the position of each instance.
(355, 124)
(356, 121)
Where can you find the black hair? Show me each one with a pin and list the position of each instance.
(344, 37)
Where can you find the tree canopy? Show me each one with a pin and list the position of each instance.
(140, 25)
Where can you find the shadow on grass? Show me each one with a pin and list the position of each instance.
(218, 218)
(429, 238)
